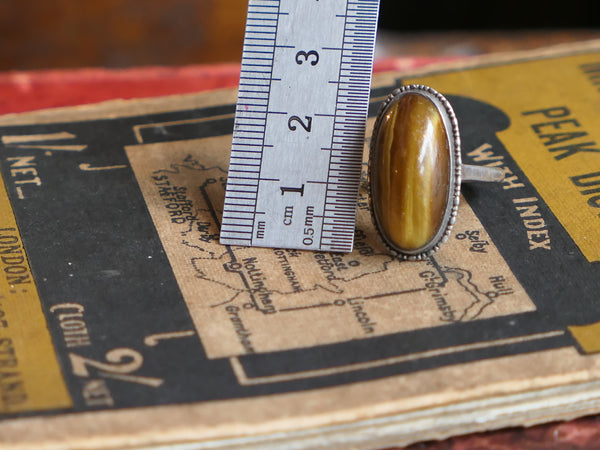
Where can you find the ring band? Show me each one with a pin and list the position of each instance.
(415, 171)
(481, 173)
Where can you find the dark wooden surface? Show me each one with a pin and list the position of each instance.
(38, 34)
(42, 34)
(469, 43)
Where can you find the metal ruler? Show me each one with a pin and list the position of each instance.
(296, 155)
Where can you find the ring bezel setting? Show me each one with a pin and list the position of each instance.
(450, 125)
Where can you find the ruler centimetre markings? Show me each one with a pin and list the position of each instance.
(298, 137)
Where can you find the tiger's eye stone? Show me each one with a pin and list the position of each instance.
(411, 172)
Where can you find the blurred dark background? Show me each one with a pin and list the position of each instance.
(41, 34)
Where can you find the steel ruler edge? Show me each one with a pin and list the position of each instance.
(298, 138)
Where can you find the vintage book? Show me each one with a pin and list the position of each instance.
(124, 322)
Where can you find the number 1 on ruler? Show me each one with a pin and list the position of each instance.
(300, 122)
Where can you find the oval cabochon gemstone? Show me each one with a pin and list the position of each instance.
(410, 173)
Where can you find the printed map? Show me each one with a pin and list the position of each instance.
(247, 300)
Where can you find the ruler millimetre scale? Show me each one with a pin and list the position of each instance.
(298, 137)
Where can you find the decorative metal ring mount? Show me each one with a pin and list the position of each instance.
(415, 171)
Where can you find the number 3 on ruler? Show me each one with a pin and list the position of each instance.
(306, 56)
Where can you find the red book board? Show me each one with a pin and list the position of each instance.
(27, 91)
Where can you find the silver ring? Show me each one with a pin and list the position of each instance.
(415, 171)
